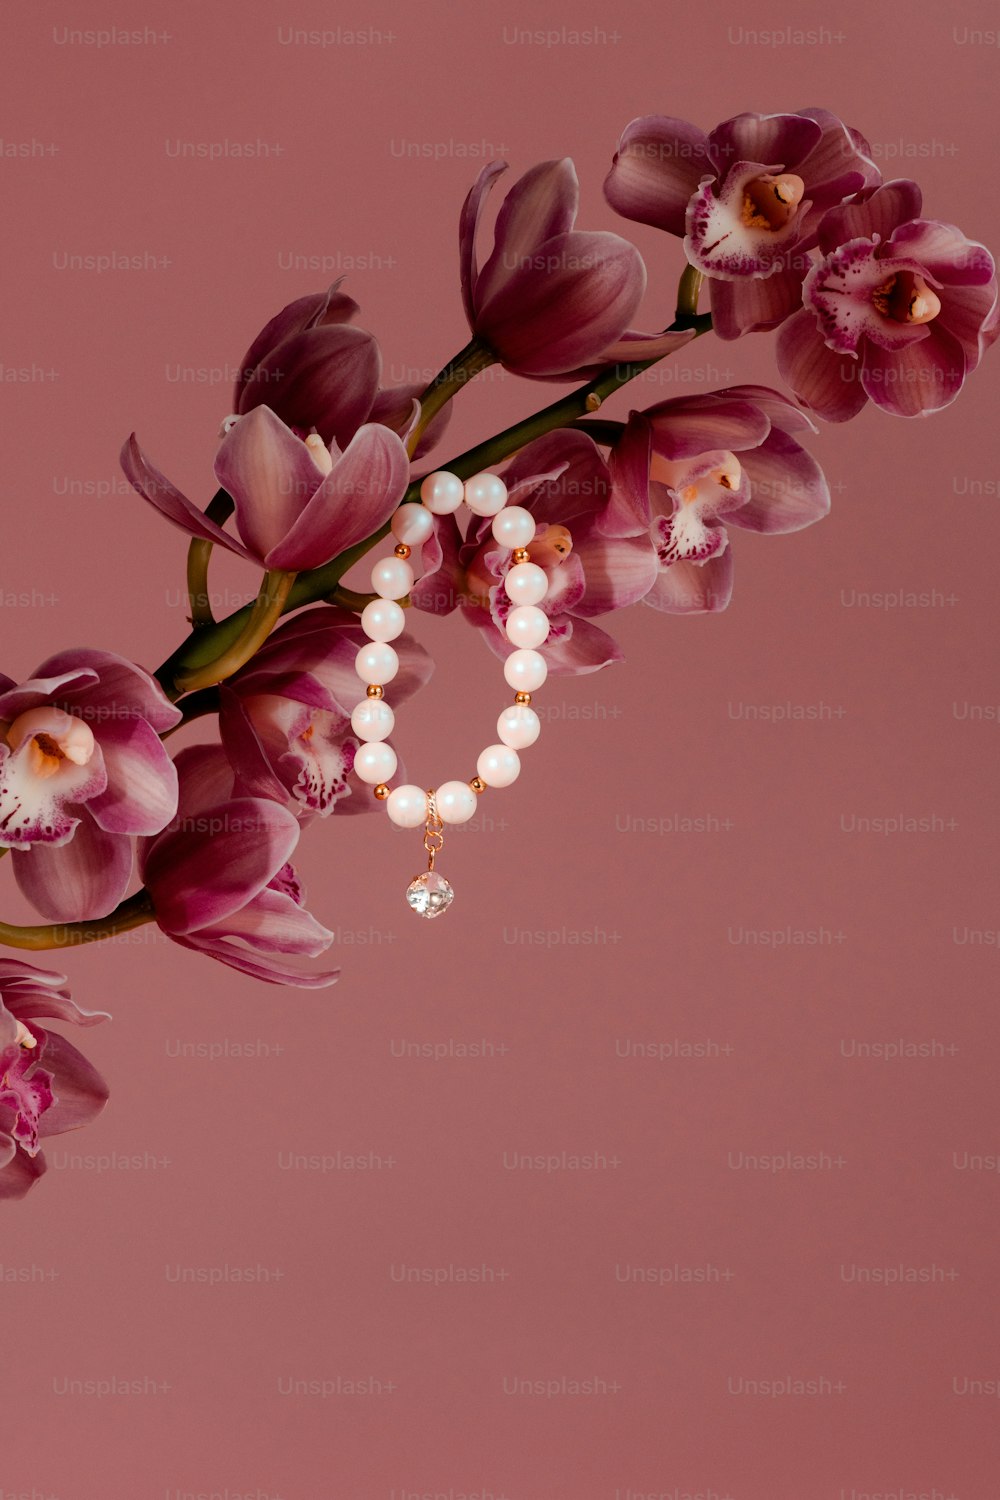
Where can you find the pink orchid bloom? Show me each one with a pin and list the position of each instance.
(285, 718)
(298, 503)
(82, 771)
(564, 482)
(686, 465)
(899, 310)
(552, 302)
(319, 374)
(220, 880)
(747, 197)
(46, 1085)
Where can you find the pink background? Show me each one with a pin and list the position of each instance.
(617, 976)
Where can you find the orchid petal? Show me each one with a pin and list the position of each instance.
(617, 570)
(324, 377)
(108, 688)
(788, 489)
(83, 879)
(226, 952)
(168, 500)
(81, 1092)
(576, 296)
(917, 380)
(468, 226)
(200, 875)
(358, 496)
(755, 304)
(826, 382)
(141, 794)
(657, 167)
(943, 251)
(20, 1173)
(692, 588)
(785, 140)
(874, 215)
(314, 310)
(540, 206)
(271, 476)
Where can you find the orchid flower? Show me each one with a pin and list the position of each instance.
(298, 502)
(552, 302)
(219, 877)
(285, 718)
(564, 482)
(685, 466)
(747, 198)
(899, 310)
(82, 771)
(46, 1085)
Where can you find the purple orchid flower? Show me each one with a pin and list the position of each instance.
(298, 503)
(899, 310)
(748, 198)
(563, 481)
(319, 374)
(46, 1085)
(686, 465)
(220, 880)
(82, 771)
(285, 718)
(552, 302)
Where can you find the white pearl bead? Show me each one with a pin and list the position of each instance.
(383, 620)
(375, 763)
(376, 662)
(526, 583)
(525, 670)
(412, 524)
(527, 625)
(442, 492)
(518, 726)
(455, 801)
(373, 719)
(407, 806)
(499, 765)
(513, 526)
(485, 494)
(392, 577)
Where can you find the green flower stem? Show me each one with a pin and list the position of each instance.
(195, 706)
(219, 509)
(134, 912)
(466, 365)
(351, 599)
(204, 646)
(688, 291)
(606, 433)
(562, 413)
(264, 614)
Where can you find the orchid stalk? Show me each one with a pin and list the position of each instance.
(783, 220)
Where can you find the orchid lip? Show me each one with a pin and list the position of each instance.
(57, 736)
(906, 298)
(771, 202)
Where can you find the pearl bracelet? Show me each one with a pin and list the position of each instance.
(525, 669)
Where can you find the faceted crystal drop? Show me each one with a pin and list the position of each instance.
(429, 894)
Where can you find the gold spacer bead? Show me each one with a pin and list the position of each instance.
(478, 784)
(381, 791)
(522, 697)
(373, 690)
(401, 549)
(521, 554)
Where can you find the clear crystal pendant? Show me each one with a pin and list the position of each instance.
(429, 894)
